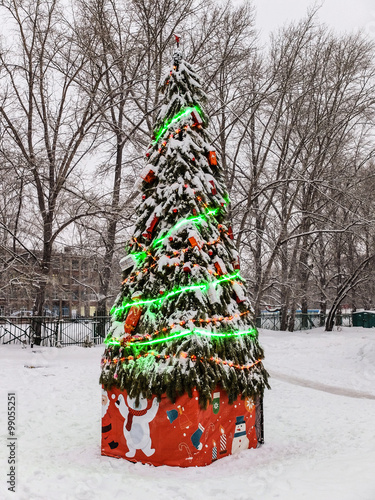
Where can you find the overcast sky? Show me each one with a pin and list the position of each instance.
(342, 15)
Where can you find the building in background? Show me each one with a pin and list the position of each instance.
(72, 289)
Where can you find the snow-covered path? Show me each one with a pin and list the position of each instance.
(340, 391)
(320, 436)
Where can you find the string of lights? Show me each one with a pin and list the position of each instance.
(137, 273)
(194, 219)
(184, 333)
(172, 135)
(160, 300)
(193, 320)
(177, 117)
(175, 254)
(182, 323)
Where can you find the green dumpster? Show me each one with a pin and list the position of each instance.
(366, 319)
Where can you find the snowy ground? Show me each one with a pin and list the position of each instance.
(319, 428)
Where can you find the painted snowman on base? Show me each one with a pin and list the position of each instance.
(136, 425)
(240, 440)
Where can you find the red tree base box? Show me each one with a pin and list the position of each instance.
(179, 434)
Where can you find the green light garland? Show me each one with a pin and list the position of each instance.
(185, 333)
(194, 219)
(139, 257)
(203, 286)
(175, 119)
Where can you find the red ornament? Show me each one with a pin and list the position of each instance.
(125, 339)
(213, 189)
(175, 210)
(132, 318)
(218, 269)
(194, 211)
(238, 300)
(212, 158)
(155, 220)
(196, 118)
(193, 159)
(236, 263)
(147, 154)
(230, 232)
(149, 177)
(187, 268)
(170, 238)
(193, 242)
(210, 252)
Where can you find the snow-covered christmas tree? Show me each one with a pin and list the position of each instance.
(182, 323)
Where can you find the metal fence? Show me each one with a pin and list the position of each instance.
(90, 331)
(271, 321)
(54, 331)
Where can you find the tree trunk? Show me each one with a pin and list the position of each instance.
(111, 233)
(38, 309)
(323, 308)
(322, 281)
(292, 317)
(350, 282)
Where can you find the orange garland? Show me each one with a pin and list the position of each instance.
(184, 355)
(182, 323)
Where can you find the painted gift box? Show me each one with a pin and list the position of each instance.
(181, 433)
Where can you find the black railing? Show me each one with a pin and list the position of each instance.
(93, 330)
(272, 321)
(54, 331)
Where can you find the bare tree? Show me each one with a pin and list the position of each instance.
(309, 104)
(48, 120)
(134, 38)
